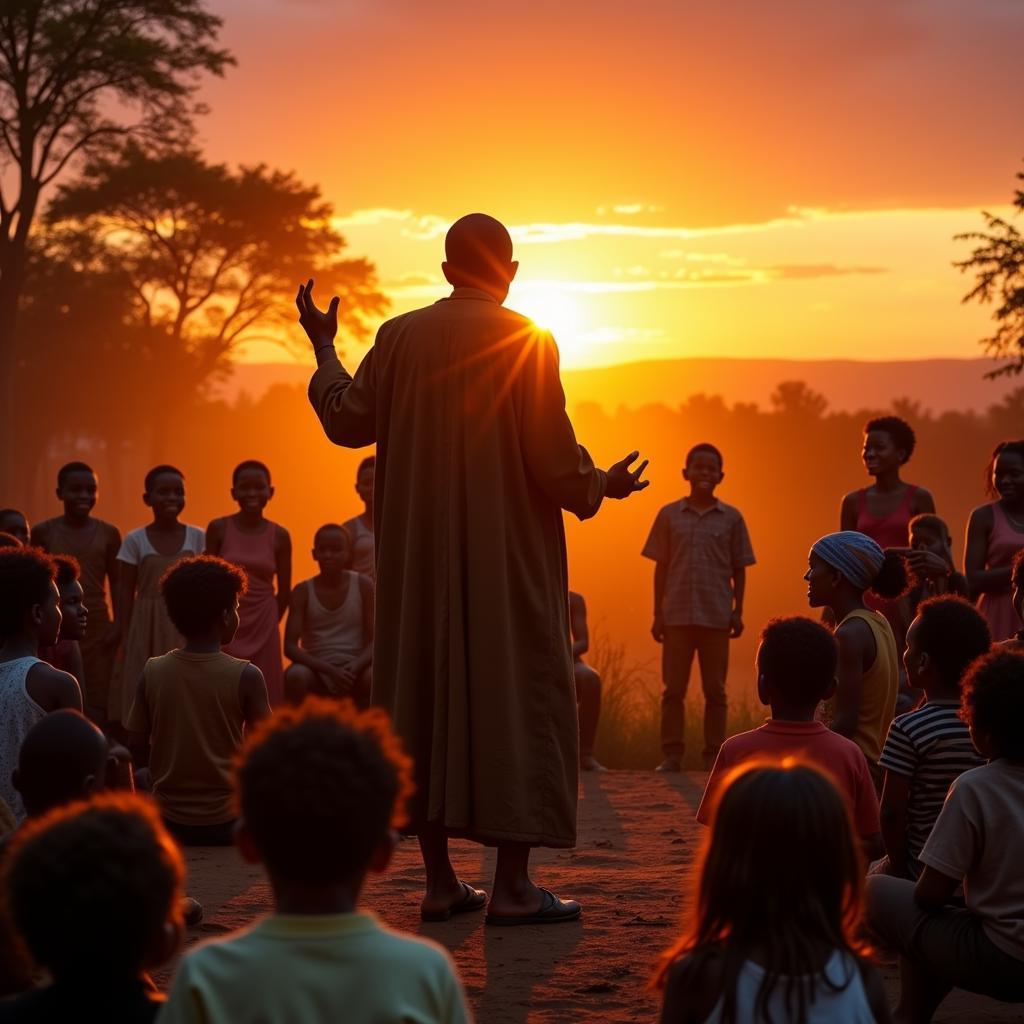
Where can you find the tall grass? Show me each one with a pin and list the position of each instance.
(629, 733)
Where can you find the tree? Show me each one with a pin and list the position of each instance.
(795, 398)
(998, 266)
(77, 76)
(211, 255)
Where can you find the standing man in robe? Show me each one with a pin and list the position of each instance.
(476, 459)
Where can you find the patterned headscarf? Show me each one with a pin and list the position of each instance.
(854, 554)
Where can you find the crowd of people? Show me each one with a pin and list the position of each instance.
(428, 690)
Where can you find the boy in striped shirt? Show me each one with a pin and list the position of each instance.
(928, 748)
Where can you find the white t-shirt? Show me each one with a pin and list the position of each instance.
(136, 545)
(979, 837)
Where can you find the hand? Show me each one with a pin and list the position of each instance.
(343, 676)
(735, 626)
(320, 327)
(658, 629)
(927, 565)
(622, 481)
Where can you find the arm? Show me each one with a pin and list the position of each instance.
(923, 502)
(215, 537)
(850, 676)
(578, 625)
(980, 579)
(293, 628)
(895, 791)
(252, 695)
(283, 557)
(52, 689)
(127, 577)
(138, 717)
(934, 889)
(739, 588)
(113, 569)
(366, 655)
(848, 512)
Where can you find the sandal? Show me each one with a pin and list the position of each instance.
(552, 911)
(472, 899)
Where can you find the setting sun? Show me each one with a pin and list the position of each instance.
(556, 310)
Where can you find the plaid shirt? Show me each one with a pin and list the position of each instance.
(701, 551)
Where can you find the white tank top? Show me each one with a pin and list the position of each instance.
(334, 635)
(848, 1005)
(18, 713)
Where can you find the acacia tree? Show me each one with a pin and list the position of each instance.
(211, 255)
(997, 263)
(77, 76)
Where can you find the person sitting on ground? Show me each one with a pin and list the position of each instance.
(796, 671)
(320, 789)
(329, 633)
(14, 522)
(928, 748)
(978, 842)
(193, 703)
(588, 684)
(29, 688)
(94, 889)
(774, 929)
(843, 567)
(1016, 642)
(360, 527)
(66, 654)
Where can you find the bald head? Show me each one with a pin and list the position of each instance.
(478, 251)
(63, 758)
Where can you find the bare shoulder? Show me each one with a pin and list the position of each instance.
(924, 500)
(52, 688)
(111, 534)
(982, 517)
(282, 538)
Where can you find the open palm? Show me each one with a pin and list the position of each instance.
(320, 327)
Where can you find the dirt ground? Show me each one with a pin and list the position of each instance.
(636, 837)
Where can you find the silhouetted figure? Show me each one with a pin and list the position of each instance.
(360, 527)
(14, 522)
(264, 550)
(476, 458)
(701, 550)
(588, 684)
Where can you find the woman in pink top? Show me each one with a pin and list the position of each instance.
(264, 550)
(995, 533)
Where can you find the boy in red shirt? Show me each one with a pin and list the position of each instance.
(796, 670)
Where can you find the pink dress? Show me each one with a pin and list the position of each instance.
(258, 638)
(1003, 543)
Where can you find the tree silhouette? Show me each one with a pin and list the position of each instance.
(75, 77)
(795, 398)
(998, 266)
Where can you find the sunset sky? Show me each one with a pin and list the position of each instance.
(737, 178)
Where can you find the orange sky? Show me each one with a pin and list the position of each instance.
(681, 178)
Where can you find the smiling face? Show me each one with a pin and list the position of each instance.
(703, 473)
(78, 492)
(821, 582)
(252, 490)
(880, 453)
(1008, 477)
(166, 497)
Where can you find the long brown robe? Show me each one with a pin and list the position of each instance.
(476, 458)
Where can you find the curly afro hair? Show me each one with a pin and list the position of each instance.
(798, 657)
(27, 576)
(993, 702)
(953, 633)
(901, 432)
(198, 590)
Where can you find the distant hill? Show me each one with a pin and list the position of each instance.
(938, 385)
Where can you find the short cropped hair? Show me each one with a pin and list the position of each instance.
(198, 589)
(798, 657)
(68, 569)
(993, 701)
(901, 432)
(318, 788)
(344, 530)
(260, 467)
(90, 885)
(1017, 570)
(953, 633)
(476, 243)
(159, 471)
(704, 446)
(370, 462)
(26, 576)
(72, 467)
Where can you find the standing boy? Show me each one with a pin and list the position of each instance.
(360, 527)
(95, 545)
(701, 550)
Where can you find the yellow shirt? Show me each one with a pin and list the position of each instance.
(317, 968)
(881, 682)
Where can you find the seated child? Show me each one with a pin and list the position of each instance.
(14, 522)
(977, 842)
(66, 654)
(588, 684)
(94, 889)
(796, 671)
(29, 687)
(774, 921)
(843, 567)
(928, 748)
(329, 633)
(193, 703)
(320, 790)
(360, 527)
(1016, 642)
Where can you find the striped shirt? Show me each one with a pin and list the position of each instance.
(932, 747)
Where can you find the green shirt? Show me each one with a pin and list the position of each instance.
(317, 968)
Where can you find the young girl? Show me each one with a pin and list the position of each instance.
(329, 634)
(264, 550)
(995, 533)
(843, 567)
(146, 554)
(773, 932)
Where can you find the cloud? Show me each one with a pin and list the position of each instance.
(377, 215)
(807, 271)
(628, 209)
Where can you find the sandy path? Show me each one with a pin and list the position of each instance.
(636, 836)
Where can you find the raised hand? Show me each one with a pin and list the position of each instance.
(622, 481)
(320, 327)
